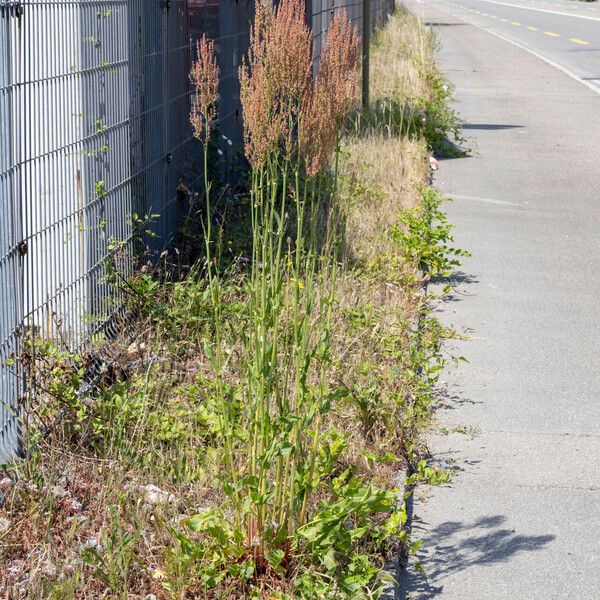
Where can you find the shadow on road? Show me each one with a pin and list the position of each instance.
(449, 399)
(458, 282)
(489, 126)
(438, 24)
(456, 546)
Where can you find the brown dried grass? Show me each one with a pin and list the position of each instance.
(383, 171)
(400, 52)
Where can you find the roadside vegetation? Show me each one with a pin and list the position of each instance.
(246, 441)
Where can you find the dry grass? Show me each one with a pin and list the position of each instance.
(384, 171)
(389, 171)
(400, 52)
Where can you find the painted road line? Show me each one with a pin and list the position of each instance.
(516, 23)
(504, 20)
(588, 83)
(551, 34)
(486, 200)
(532, 28)
(544, 10)
(578, 41)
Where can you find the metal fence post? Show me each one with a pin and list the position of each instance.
(366, 42)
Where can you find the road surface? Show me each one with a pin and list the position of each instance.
(521, 420)
(565, 33)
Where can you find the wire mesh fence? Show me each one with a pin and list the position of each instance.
(95, 139)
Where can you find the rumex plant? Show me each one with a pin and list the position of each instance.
(205, 80)
(282, 511)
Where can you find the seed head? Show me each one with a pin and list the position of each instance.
(284, 108)
(274, 77)
(205, 80)
(333, 95)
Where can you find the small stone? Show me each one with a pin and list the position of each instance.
(50, 570)
(4, 525)
(58, 491)
(6, 483)
(179, 519)
(90, 544)
(154, 495)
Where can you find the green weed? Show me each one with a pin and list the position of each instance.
(425, 236)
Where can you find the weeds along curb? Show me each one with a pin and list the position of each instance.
(407, 491)
(408, 487)
(439, 260)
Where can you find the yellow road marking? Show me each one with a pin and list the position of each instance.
(551, 34)
(516, 23)
(504, 20)
(578, 41)
(532, 28)
(494, 17)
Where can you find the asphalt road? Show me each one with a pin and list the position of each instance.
(565, 32)
(521, 421)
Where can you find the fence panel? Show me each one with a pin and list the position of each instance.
(94, 104)
(10, 277)
(94, 128)
(321, 11)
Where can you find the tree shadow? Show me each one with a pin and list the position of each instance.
(455, 546)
